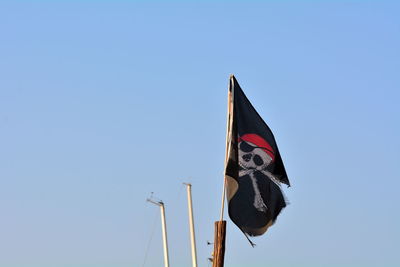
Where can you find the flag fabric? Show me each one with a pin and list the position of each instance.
(254, 169)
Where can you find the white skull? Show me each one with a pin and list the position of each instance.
(253, 157)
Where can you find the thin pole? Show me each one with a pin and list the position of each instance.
(223, 200)
(220, 226)
(227, 140)
(191, 224)
(164, 230)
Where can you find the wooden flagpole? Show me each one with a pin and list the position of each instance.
(219, 243)
(220, 226)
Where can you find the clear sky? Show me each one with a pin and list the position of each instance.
(102, 103)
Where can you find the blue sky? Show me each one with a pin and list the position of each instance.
(102, 103)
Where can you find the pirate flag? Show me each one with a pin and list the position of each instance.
(254, 169)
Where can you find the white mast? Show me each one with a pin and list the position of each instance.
(164, 230)
(191, 224)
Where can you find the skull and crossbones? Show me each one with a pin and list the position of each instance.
(255, 154)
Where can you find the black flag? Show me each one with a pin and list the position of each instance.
(254, 169)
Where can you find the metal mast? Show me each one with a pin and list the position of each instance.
(191, 224)
(164, 229)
